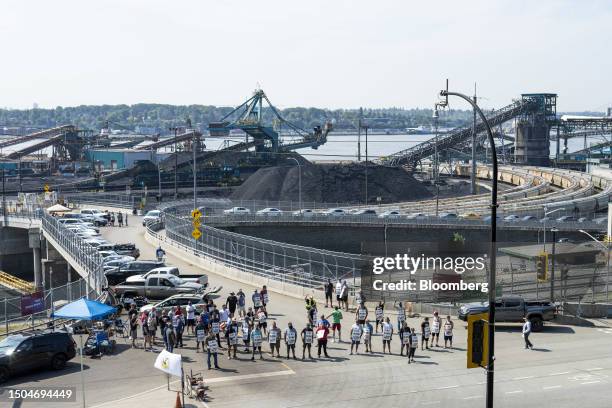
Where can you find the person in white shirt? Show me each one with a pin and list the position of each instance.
(435, 329)
(526, 333)
(190, 317)
(356, 333)
(339, 293)
(223, 314)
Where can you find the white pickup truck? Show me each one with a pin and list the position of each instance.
(168, 270)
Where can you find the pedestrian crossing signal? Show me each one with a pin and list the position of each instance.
(542, 266)
(478, 340)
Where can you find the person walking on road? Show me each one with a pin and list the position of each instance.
(160, 253)
(231, 303)
(414, 344)
(310, 305)
(231, 333)
(307, 338)
(265, 297)
(526, 333)
(404, 335)
(133, 326)
(212, 348)
(367, 336)
(425, 333)
(387, 334)
(274, 338)
(344, 295)
(329, 291)
(336, 317)
(339, 293)
(356, 333)
(435, 329)
(322, 333)
(379, 312)
(290, 337)
(241, 303)
(256, 339)
(448, 331)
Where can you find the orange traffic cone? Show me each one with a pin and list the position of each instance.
(177, 403)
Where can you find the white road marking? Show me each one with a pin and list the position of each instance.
(594, 369)
(552, 387)
(446, 388)
(590, 382)
(523, 378)
(430, 403)
(514, 392)
(561, 373)
(136, 395)
(248, 376)
(473, 397)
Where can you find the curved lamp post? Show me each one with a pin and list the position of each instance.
(492, 250)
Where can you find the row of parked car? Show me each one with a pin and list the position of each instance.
(370, 212)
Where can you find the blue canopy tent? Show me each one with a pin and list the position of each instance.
(84, 309)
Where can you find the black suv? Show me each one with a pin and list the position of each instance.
(127, 249)
(22, 353)
(121, 273)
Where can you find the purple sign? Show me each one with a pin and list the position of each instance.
(32, 303)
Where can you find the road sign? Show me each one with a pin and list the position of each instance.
(195, 214)
(46, 188)
(196, 223)
(478, 340)
(196, 234)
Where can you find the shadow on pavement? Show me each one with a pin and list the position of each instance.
(73, 366)
(544, 350)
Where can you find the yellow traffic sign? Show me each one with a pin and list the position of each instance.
(196, 223)
(46, 188)
(196, 214)
(478, 340)
(196, 234)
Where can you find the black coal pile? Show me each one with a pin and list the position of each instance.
(342, 183)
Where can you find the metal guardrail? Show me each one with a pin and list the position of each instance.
(128, 201)
(225, 220)
(294, 264)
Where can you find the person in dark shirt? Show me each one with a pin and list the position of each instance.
(329, 291)
(231, 302)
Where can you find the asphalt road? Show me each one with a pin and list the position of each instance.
(569, 367)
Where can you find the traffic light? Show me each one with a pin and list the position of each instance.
(478, 340)
(542, 266)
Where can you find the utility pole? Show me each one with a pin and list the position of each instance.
(473, 172)
(195, 171)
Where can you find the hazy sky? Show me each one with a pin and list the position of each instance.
(303, 53)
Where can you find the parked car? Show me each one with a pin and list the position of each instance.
(513, 309)
(583, 219)
(488, 218)
(416, 216)
(470, 216)
(127, 249)
(113, 264)
(566, 218)
(365, 212)
(448, 215)
(334, 212)
(512, 218)
(100, 218)
(529, 218)
(270, 211)
(151, 216)
(306, 212)
(390, 214)
(23, 353)
(121, 273)
(237, 211)
(95, 242)
(182, 300)
(158, 287)
(121, 258)
(169, 270)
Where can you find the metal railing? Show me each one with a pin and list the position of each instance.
(293, 264)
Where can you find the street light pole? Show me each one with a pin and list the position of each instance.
(492, 255)
(546, 214)
(366, 165)
(175, 129)
(299, 180)
(195, 187)
(552, 269)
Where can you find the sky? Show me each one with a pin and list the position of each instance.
(321, 53)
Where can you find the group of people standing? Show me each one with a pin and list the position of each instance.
(118, 218)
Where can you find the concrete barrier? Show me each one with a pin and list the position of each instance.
(589, 310)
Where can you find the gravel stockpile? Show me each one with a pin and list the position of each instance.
(343, 183)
